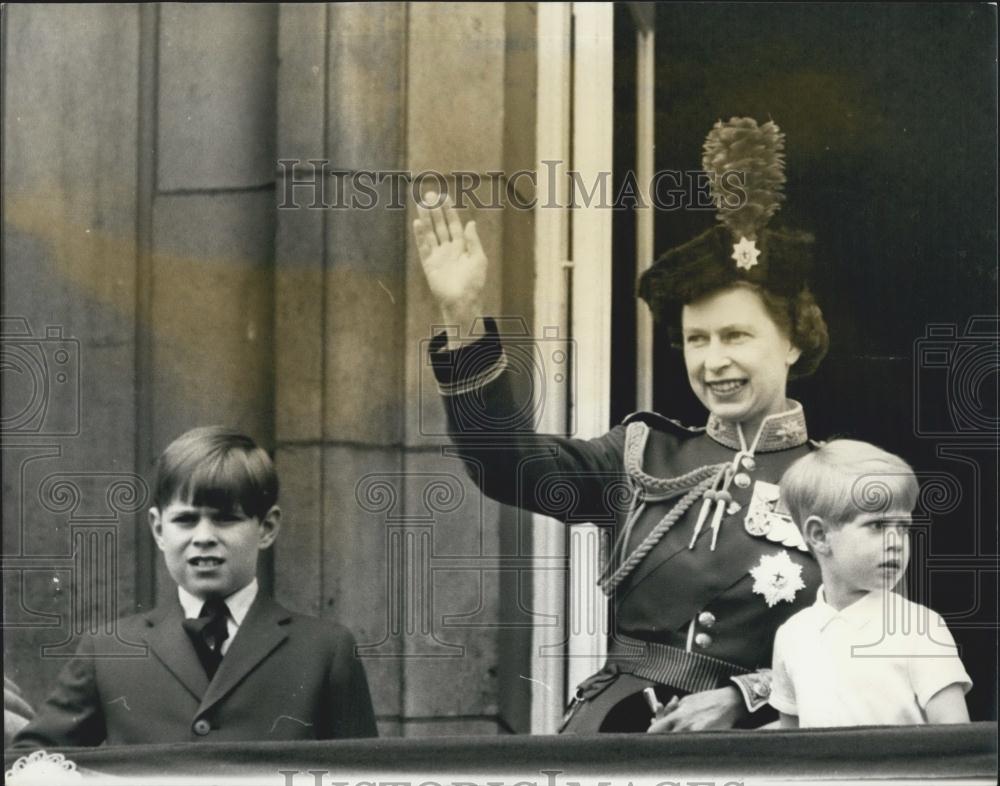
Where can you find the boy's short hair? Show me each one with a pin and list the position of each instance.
(845, 478)
(216, 467)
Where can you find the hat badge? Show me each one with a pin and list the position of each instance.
(745, 253)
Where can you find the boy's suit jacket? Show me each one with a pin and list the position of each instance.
(285, 677)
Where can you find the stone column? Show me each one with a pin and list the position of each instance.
(68, 343)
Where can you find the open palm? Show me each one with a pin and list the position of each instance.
(452, 258)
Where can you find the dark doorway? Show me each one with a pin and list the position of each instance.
(623, 227)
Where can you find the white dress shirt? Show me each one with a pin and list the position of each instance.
(238, 604)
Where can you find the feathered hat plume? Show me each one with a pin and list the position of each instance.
(746, 168)
(745, 164)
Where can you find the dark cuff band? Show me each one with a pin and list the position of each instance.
(472, 366)
(755, 688)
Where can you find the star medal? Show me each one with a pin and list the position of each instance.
(777, 578)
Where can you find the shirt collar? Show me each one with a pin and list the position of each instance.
(866, 608)
(238, 603)
(780, 431)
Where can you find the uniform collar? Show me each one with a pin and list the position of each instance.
(780, 431)
(238, 603)
(867, 608)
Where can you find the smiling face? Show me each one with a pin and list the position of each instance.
(736, 356)
(866, 554)
(210, 552)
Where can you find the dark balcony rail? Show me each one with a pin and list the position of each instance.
(960, 754)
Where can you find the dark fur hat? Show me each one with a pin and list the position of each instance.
(745, 165)
(706, 264)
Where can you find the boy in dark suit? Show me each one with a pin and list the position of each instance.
(225, 662)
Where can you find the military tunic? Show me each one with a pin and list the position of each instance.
(687, 613)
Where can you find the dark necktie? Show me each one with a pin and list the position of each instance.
(208, 633)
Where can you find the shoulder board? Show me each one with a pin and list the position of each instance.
(658, 421)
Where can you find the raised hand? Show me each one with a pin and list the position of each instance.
(453, 261)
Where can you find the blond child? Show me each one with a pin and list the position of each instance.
(862, 654)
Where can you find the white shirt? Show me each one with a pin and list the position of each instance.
(238, 604)
(877, 661)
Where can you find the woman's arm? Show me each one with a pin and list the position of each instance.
(487, 388)
(948, 706)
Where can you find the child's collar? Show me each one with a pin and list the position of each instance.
(871, 605)
(238, 603)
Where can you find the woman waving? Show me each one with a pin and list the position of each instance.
(705, 565)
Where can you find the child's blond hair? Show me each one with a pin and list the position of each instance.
(845, 478)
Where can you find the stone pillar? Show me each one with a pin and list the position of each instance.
(340, 306)
(455, 122)
(385, 531)
(68, 343)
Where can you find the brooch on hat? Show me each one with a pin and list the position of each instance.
(777, 578)
(745, 165)
(745, 253)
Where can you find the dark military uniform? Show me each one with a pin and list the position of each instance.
(688, 613)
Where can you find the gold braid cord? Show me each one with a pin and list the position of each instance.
(609, 583)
